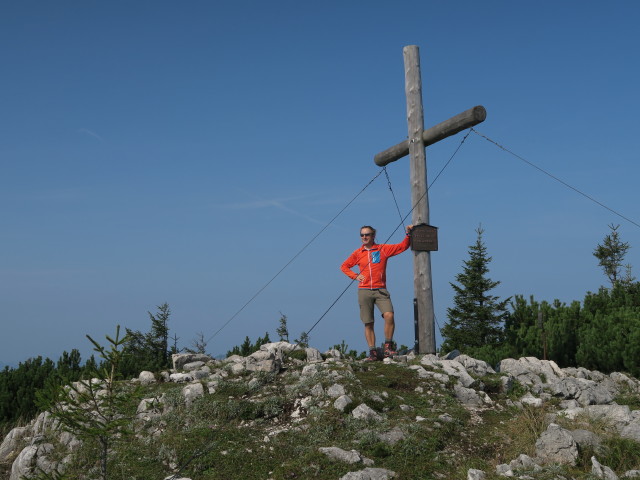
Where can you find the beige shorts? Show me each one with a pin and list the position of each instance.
(379, 297)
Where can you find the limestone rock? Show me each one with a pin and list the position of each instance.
(340, 455)
(556, 445)
(180, 359)
(370, 474)
(263, 361)
(146, 378)
(313, 355)
(586, 392)
(392, 437)
(469, 397)
(365, 412)
(12, 443)
(532, 371)
(586, 439)
(474, 474)
(601, 471)
(191, 392)
(342, 402)
(632, 430)
(335, 390)
(181, 377)
(477, 367)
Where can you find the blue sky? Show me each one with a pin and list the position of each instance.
(184, 152)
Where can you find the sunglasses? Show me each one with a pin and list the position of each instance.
(366, 234)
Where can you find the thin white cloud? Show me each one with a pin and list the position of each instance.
(262, 203)
(278, 203)
(86, 131)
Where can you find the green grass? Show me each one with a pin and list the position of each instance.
(246, 430)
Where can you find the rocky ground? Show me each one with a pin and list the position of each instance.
(284, 412)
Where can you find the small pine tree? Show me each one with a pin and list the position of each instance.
(94, 409)
(303, 341)
(610, 255)
(198, 344)
(158, 337)
(282, 331)
(476, 319)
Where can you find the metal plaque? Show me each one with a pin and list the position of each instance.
(424, 238)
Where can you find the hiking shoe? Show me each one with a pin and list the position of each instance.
(390, 349)
(373, 356)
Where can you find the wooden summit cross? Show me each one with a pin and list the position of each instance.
(415, 147)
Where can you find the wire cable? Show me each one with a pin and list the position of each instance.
(393, 194)
(554, 177)
(294, 257)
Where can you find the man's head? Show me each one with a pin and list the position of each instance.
(368, 235)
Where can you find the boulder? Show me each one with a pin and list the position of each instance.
(477, 367)
(532, 371)
(370, 473)
(365, 412)
(340, 455)
(263, 361)
(601, 471)
(191, 392)
(181, 359)
(146, 378)
(13, 443)
(469, 397)
(556, 445)
(632, 430)
(336, 390)
(474, 474)
(313, 355)
(450, 367)
(585, 392)
(342, 402)
(586, 439)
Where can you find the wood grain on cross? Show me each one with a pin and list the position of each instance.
(414, 146)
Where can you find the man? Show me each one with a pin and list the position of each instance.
(371, 260)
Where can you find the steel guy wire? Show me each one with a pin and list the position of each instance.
(295, 256)
(554, 177)
(393, 194)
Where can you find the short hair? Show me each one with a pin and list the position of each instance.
(373, 230)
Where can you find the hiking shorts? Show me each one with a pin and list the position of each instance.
(367, 298)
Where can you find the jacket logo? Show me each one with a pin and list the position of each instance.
(375, 257)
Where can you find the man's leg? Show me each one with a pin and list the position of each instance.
(370, 335)
(389, 328)
(366, 301)
(389, 325)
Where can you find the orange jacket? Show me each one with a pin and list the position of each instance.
(373, 263)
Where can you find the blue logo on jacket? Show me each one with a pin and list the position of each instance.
(375, 257)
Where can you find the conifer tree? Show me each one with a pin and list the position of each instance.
(610, 254)
(282, 331)
(476, 319)
(95, 409)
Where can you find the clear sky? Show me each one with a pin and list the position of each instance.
(184, 152)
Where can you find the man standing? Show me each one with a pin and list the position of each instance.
(371, 260)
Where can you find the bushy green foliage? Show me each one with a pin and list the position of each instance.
(19, 386)
(601, 334)
(148, 351)
(247, 348)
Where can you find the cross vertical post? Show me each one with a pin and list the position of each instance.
(414, 146)
(422, 284)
